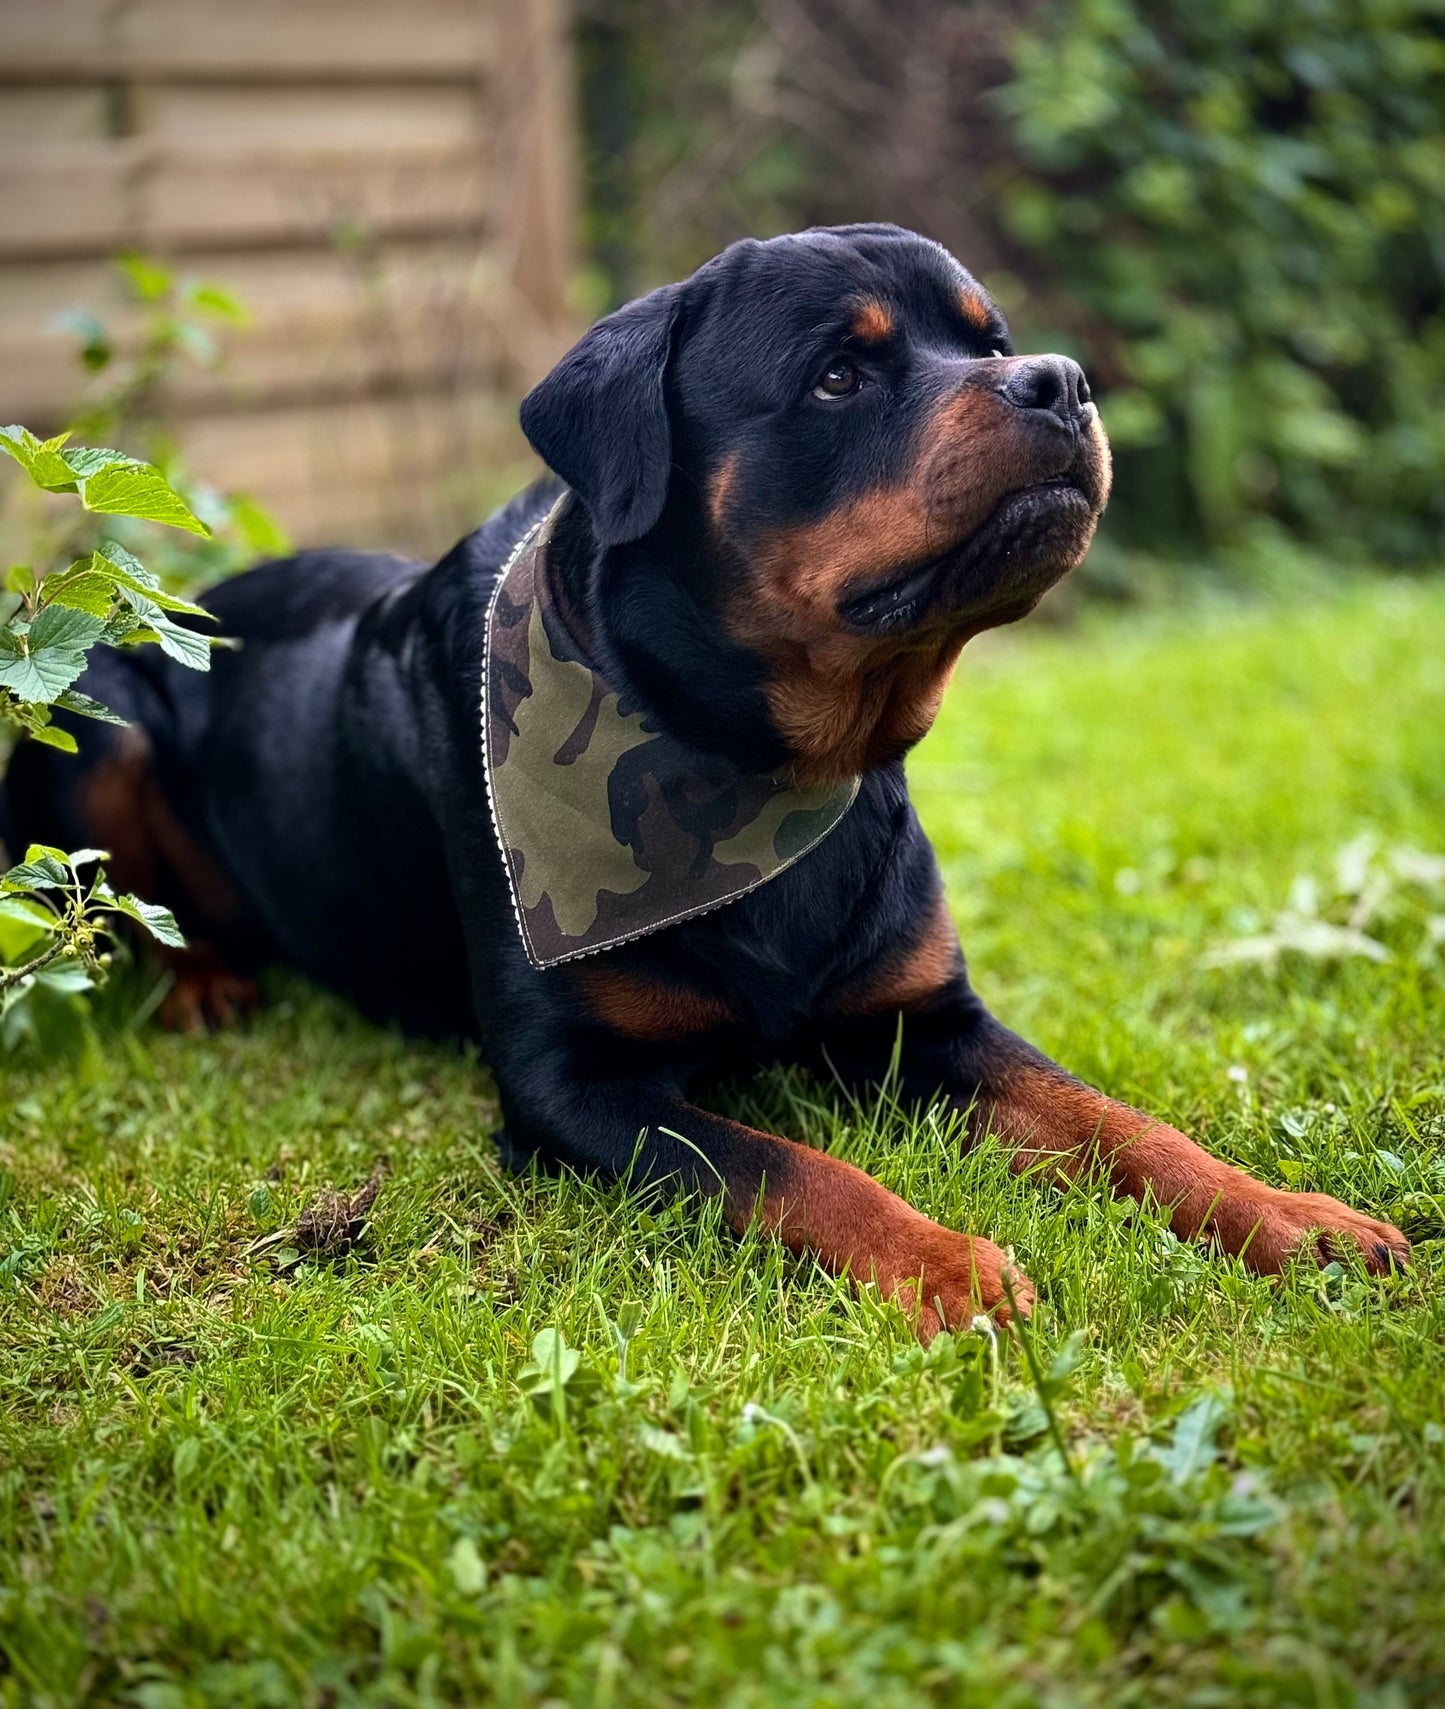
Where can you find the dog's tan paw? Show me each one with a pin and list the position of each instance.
(1271, 1227)
(961, 1278)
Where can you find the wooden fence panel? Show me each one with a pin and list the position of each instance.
(386, 187)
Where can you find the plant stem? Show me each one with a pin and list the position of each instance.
(13, 975)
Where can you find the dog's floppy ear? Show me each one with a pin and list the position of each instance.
(599, 419)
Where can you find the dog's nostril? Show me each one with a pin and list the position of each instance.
(1053, 383)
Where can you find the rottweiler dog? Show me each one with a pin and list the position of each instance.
(616, 787)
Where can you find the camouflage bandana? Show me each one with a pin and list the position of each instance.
(611, 828)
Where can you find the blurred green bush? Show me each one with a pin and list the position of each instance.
(1244, 206)
(1234, 214)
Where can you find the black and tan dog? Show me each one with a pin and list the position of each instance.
(670, 836)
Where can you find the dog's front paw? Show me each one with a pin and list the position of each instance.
(1267, 1227)
(958, 1278)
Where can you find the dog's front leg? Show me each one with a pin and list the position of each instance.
(816, 1204)
(1055, 1124)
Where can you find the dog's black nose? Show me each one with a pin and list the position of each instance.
(1053, 383)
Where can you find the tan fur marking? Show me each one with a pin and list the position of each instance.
(974, 309)
(151, 852)
(917, 973)
(641, 1008)
(719, 489)
(205, 992)
(1103, 456)
(968, 457)
(844, 701)
(872, 322)
(1055, 1121)
(855, 1227)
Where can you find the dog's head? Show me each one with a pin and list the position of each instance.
(828, 439)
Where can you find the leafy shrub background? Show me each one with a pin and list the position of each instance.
(1233, 214)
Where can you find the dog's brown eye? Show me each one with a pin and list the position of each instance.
(837, 380)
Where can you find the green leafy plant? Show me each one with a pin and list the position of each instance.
(54, 923)
(167, 328)
(51, 614)
(104, 597)
(79, 586)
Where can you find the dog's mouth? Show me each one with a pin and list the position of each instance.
(1032, 538)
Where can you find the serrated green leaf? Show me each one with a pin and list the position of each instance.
(20, 578)
(183, 645)
(139, 490)
(129, 574)
(158, 921)
(60, 626)
(90, 592)
(87, 857)
(46, 661)
(43, 868)
(41, 460)
(74, 701)
(185, 607)
(86, 460)
(54, 737)
(118, 558)
(39, 674)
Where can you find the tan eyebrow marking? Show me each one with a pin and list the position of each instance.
(720, 488)
(974, 309)
(872, 322)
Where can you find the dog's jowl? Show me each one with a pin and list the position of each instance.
(617, 788)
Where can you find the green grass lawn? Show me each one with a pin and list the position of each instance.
(238, 1477)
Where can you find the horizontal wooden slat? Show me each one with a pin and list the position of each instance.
(242, 39)
(319, 323)
(66, 196)
(67, 38)
(188, 200)
(371, 471)
(422, 516)
(274, 452)
(40, 116)
(308, 119)
(90, 197)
